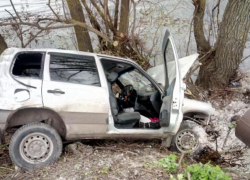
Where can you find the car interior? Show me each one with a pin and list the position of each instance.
(132, 96)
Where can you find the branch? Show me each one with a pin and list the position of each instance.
(70, 23)
(34, 36)
(92, 19)
(15, 11)
(20, 34)
(189, 37)
(245, 58)
(111, 27)
(53, 10)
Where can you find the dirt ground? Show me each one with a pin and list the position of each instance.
(99, 159)
(102, 159)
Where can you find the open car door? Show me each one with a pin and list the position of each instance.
(172, 94)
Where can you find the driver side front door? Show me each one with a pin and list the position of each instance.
(171, 115)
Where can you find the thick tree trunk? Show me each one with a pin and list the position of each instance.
(3, 44)
(124, 17)
(222, 65)
(82, 34)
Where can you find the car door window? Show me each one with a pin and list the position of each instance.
(74, 69)
(171, 64)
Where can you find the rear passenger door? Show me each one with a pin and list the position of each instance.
(72, 87)
(21, 85)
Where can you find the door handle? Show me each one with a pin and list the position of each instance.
(56, 91)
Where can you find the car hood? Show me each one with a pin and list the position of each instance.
(185, 64)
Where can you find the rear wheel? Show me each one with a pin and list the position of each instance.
(35, 145)
(188, 138)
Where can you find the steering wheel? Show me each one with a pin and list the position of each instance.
(128, 96)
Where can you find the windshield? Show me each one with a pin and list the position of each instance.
(137, 80)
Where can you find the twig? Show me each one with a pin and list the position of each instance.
(180, 160)
(225, 141)
(189, 38)
(7, 168)
(53, 10)
(188, 175)
(245, 58)
(191, 72)
(15, 11)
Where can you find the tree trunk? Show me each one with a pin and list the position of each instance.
(116, 14)
(82, 34)
(124, 17)
(222, 65)
(3, 44)
(201, 41)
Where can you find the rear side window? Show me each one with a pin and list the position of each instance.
(74, 69)
(28, 65)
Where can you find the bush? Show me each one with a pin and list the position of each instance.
(207, 172)
(168, 163)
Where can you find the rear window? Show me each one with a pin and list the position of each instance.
(28, 65)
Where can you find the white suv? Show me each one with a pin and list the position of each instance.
(48, 96)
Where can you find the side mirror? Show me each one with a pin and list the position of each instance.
(21, 95)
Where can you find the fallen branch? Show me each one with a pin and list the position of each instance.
(180, 161)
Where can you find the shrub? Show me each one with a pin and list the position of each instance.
(168, 163)
(206, 172)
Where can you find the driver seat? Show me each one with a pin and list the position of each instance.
(128, 119)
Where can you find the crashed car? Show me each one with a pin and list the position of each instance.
(49, 96)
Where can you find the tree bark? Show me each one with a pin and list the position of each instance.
(201, 41)
(124, 17)
(116, 14)
(217, 71)
(3, 44)
(82, 34)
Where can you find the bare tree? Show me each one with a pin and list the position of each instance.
(82, 34)
(220, 63)
(114, 37)
(3, 44)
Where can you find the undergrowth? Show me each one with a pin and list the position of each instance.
(197, 171)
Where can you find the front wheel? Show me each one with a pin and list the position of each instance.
(189, 138)
(35, 145)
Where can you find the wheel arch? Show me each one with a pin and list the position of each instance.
(26, 115)
(197, 117)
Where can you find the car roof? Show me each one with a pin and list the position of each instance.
(16, 50)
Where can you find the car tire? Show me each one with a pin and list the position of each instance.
(187, 139)
(35, 145)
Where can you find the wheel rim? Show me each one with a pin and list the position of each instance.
(187, 141)
(36, 148)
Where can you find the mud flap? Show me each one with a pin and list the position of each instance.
(166, 142)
